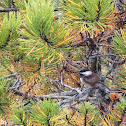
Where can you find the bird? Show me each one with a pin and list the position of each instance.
(89, 78)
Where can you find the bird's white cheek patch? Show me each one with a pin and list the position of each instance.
(87, 73)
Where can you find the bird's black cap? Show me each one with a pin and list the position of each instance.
(84, 70)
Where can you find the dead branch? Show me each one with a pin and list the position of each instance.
(9, 76)
(78, 44)
(112, 61)
(9, 9)
(97, 96)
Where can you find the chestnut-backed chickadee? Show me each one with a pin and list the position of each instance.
(89, 78)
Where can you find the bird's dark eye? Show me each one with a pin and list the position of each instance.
(81, 74)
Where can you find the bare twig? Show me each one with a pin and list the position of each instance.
(74, 62)
(20, 84)
(111, 68)
(96, 55)
(72, 66)
(57, 86)
(9, 76)
(17, 92)
(62, 77)
(53, 97)
(73, 89)
(13, 3)
(116, 62)
(85, 119)
(64, 95)
(78, 44)
(104, 45)
(9, 9)
(14, 85)
(112, 61)
(75, 97)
